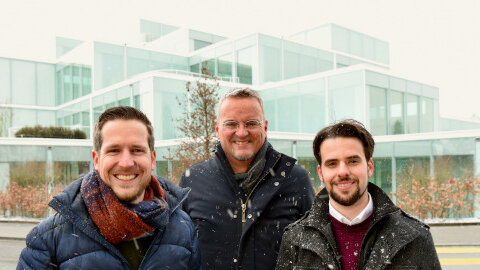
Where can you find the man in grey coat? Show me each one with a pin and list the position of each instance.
(353, 224)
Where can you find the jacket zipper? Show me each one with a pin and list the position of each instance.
(244, 205)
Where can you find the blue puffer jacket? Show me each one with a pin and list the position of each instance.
(70, 240)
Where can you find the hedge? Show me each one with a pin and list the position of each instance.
(50, 132)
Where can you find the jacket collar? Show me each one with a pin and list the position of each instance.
(70, 205)
(378, 250)
(319, 214)
(272, 156)
(277, 165)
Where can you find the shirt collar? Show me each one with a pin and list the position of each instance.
(366, 212)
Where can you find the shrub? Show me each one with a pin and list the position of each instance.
(29, 201)
(32, 173)
(50, 132)
(431, 199)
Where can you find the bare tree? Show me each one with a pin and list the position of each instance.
(197, 124)
(5, 120)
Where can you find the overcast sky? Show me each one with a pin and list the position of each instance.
(435, 42)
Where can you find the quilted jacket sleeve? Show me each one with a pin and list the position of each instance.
(36, 255)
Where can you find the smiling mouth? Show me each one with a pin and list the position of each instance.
(344, 184)
(241, 142)
(125, 177)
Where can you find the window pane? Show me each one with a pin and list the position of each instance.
(244, 65)
(378, 110)
(76, 82)
(86, 81)
(396, 112)
(23, 83)
(382, 175)
(426, 118)
(225, 65)
(46, 84)
(412, 113)
(5, 91)
(271, 64)
(346, 97)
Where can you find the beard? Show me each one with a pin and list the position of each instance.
(349, 200)
(243, 158)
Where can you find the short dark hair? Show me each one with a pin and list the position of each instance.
(348, 128)
(123, 113)
(241, 93)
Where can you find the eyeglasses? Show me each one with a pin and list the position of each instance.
(248, 125)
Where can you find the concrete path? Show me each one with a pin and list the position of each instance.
(456, 235)
(15, 230)
(458, 246)
(452, 235)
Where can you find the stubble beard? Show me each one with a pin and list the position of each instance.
(350, 200)
(243, 158)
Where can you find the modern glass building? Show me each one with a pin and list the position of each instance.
(308, 80)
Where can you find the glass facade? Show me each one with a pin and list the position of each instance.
(115, 63)
(346, 97)
(304, 86)
(27, 83)
(395, 105)
(345, 40)
(303, 99)
(73, 82)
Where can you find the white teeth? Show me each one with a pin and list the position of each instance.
(126, 177)
(241, 142)
(343, 185)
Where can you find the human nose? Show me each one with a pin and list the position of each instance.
(241, 130)
(343, 170)
(126, 160)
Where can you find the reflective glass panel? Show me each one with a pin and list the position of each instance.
(412, 113)
(396, 113)
(378, 110)
(426, 117)
(244, 65)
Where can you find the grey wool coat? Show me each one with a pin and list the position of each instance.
(394, 240)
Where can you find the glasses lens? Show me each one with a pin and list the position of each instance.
(252, 124)
(230, 124)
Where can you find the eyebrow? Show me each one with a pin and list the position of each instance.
(119, 145)
(336, 159)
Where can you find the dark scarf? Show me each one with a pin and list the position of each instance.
(249, 179)
(119, 221)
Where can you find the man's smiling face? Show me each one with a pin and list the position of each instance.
(345, 171)
(241, 145)
(125, 161)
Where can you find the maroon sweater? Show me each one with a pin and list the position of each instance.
(349, 241)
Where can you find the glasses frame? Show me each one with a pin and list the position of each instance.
(233, 125)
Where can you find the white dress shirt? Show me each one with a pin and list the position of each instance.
(366, 212)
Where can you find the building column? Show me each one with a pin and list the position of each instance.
(294, 149)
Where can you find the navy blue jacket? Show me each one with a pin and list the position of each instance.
(283, 195)
(70, 240)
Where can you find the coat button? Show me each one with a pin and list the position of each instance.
(235, 260)
(288, 163)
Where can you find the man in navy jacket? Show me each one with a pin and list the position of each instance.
(245, 196)
(120, 216)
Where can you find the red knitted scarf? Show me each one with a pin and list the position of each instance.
(116, 222)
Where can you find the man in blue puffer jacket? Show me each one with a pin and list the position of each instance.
(120, 216)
